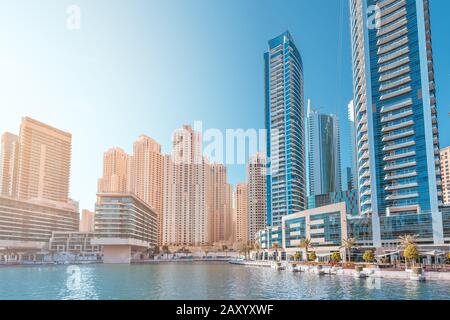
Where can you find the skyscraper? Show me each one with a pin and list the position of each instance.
(146, 174)
(219, 203)
(256, 192)
(445, 171)
(44, 162)
(352, 136)
(241, 233)
(324, 153)
(185, 218)
(115, 171)
(284, 118)
(9, 160)
(395, 112)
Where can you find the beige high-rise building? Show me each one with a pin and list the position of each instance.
(256, 188)
(146, 173)
(185, 217)
(241, 220)
(87, 221)
(220, 197)
(445, 171)
(229, 212)
(44, 162)
(115, 171)
(9, 161)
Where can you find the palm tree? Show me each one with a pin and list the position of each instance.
(225, 249)
(407, 239)
(165, 249)
(275, 246)
(306, 244)
(348, 244)
(257, 250)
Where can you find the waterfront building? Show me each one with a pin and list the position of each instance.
(445, 171)
(9, 161)
(87, 221)
(241, 220)
(186, 221)
(256, 192)
(324, 152)
(353, 153)
(115, 171)
(74, 242)
(44, 162)
(326, 227)
(399, 176)
(349, 197)
(125, 226)
(29, 224)
(146, 174)
(284, 118)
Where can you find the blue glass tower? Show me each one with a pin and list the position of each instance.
(284, 116)
(396, 128)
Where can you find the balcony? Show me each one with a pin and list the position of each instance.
(401, 125)
(402, 196)
(385, 39)
(391, 137)
(401, 186)
(399, 156)
(395, 93)
(400, 176)
(385, 21)
(395, 45)
(400, 166)
(393, 55)
(396, 209)
(394, 74)
(393, 65)
(397, 116)
(392, 84)
(391, 7)
(399, 146)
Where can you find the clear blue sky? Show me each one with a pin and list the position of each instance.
(150, 66)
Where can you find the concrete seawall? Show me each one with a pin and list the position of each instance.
(369, 272)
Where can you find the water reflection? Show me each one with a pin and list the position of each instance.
(200, 281)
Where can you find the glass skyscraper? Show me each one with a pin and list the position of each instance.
(284, 117)
(396, 129)
(324, 153)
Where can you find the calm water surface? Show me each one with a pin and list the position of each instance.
(199, 281)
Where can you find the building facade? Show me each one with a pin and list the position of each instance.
(125, 226)
(284, 117)
(9, 162)
(324, 153)
(74, 242)
(445, 171)
(395, 114)
(186, 218)
(241, 220)
(87, 221)
(256, 192)
(29, 224)
(115, 171)
(350, 198)
(353, 153)
(146, 174)
(44, 162)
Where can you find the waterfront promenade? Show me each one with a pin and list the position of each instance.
(372, 271)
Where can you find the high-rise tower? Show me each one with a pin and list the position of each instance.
(284, 117)
(395, 111)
